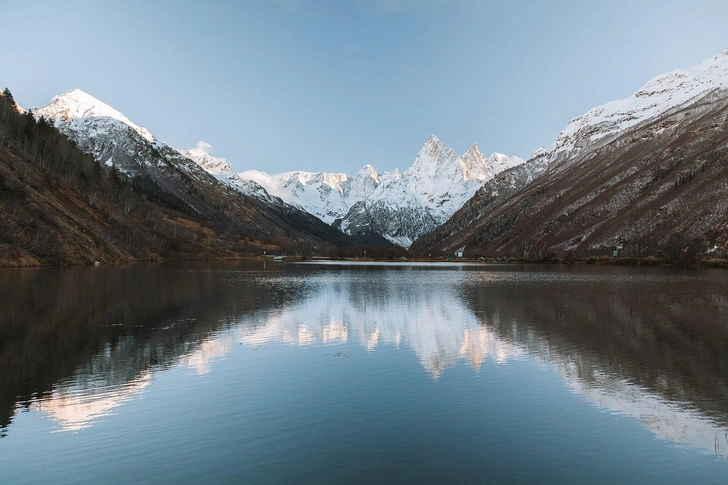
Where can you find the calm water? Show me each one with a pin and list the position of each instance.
(324, 373)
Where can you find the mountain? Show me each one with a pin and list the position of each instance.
(223, 172)
(145, 181)
(645, 174)
(58, 206)
(398, 206)
(405, 206)
(328, 196)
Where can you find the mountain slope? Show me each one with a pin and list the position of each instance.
(223, 172)
(644, 173)
(405, 206)
(57, 206)
(178, 182)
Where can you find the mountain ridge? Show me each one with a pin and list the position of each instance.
(634, 175)
(399, 206)
(168, 176)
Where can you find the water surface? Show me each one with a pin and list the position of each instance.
(363, 373)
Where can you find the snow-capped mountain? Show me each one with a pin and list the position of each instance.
(661, 95)
(76, 104)
(115, 140)
(195, 183)
(112, 138)
(405, 206)
(637, 172)
(328, 196)
(399, 206)
(221, 169)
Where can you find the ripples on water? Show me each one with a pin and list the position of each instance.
(432, 373)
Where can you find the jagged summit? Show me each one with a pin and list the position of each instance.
(637, 172)
(433, 143)
(367, 169)
(474, 155)
(77, 104)
(397, 205)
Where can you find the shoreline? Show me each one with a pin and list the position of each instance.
(715, 263)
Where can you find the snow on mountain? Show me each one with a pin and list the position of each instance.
(399, 206)
(76, 104)
(615, 175)
(221, 170)
(405, 206)
(444, 181)
(204, 188)
(115, 140)
(656, 98)
(328, 196)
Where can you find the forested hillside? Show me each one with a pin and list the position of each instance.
(59, 206)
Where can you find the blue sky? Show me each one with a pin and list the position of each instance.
(332, 85)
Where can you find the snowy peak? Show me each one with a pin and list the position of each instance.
(201, 156)
(433, 155)
(473, 162)
(397, 206)
(474, 154)
(657, 97)
(439, 173)
(365, 182)
(76, 104)
(367, 171)
(221, 169)
(328, 196)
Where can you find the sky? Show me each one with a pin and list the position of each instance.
(332, 85)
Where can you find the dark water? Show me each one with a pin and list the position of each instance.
(315, 374)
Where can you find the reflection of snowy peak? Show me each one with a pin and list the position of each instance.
(430, 321)
(399, 206)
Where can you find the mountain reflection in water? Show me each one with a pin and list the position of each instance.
(76, 344)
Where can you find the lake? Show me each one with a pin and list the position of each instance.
(317, 373)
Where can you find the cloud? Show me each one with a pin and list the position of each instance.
(202, 149)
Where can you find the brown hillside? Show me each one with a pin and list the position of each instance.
(659, 188)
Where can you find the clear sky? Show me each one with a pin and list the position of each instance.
(332, 85)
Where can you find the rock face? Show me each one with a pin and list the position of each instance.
(631, 174)
(398, 206)
(198, 185)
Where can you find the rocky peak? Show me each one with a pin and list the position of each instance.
(76, 104)
(201, 156)
(474, 156)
